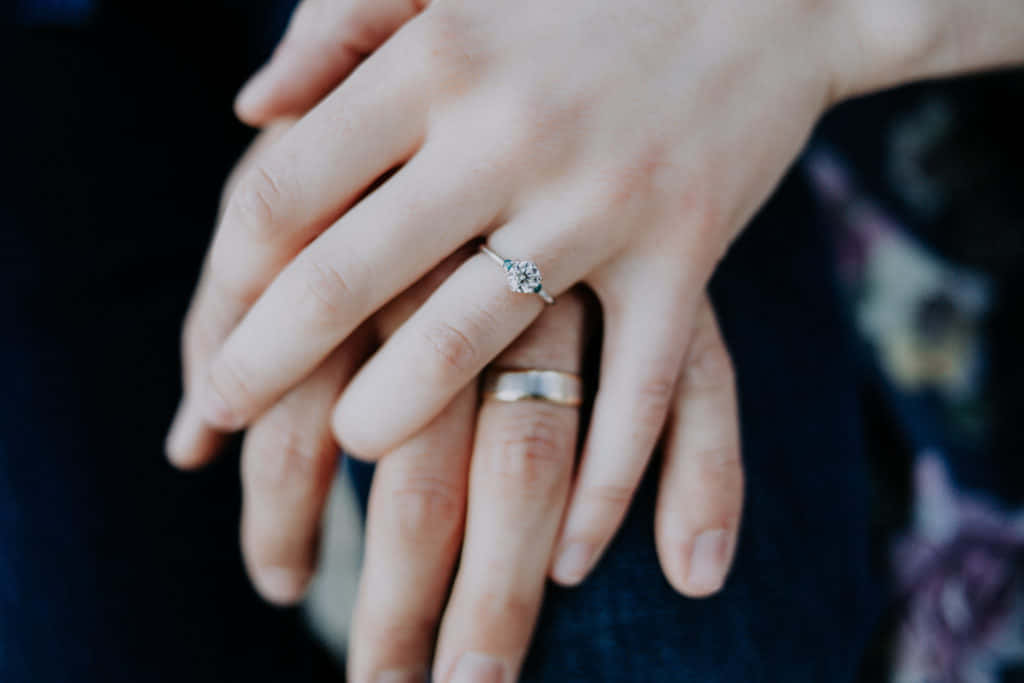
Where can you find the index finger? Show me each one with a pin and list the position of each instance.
(289, 193)
(323, 43)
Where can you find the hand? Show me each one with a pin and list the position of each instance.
(432, 105)
(539, 132)
(416, 509)
(514, 462)
(515, 469)
(518, 470)
(289, 459)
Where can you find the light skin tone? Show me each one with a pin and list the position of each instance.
(622, 146)
(418, 521)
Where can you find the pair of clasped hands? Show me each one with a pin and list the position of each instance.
(619, 145)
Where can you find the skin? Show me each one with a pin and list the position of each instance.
(505, 125)
(428, 505)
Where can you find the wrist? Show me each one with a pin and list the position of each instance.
(885, 43)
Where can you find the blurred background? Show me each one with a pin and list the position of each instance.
(118, 137)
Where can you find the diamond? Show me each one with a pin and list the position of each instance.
(523, 276)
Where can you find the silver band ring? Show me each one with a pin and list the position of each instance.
(523, 276)
(550, 386)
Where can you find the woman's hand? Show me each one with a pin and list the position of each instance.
(480, 494)
(517, 469)
(614, 144)
(514, 464)
(483, 486)
(522, 457)
(596, 143)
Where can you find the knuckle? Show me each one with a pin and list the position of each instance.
(539, 124)
(278, 455)
(631, 182)
(721, 468)
(612, 497)
(653, 400)
(233, 279)
(452, 351)
(503, 610)
(232, 382)
(709, 367)
(532, 453)
(257, 202)
(528, 117)
(326, 291)
(428, 508)
(393, 630)
(355, 27)
(453, 54)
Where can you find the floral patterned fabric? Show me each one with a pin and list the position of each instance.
(921, 190)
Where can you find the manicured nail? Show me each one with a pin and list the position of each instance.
(403, 676)
(280, 585)
(573, 562)
(708, 561)
(474, 667)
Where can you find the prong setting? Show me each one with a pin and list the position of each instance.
(523, 276)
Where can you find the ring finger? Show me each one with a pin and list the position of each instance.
(519, 483)
(462, 326)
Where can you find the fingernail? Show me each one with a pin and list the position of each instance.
(215, 410)
(280, 585)
(573, 562)
(403, 676)
(474, 667)
(708, 561)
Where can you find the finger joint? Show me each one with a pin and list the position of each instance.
(533, 452)
(429, 508)
(327, 291)
(258, 203)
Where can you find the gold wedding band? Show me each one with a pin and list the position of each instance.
(550, 386)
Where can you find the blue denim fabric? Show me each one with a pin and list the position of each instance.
(116, 568)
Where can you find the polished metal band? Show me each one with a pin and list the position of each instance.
(550, 386)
